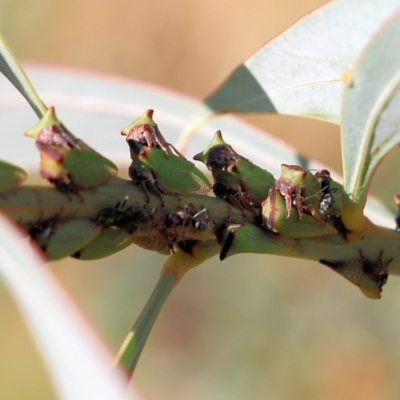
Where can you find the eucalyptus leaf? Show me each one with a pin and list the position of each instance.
(371, 103)
(12, 70)
(77, 360)
(299, 72)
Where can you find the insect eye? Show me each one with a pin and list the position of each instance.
(200, 225)
(172, 219)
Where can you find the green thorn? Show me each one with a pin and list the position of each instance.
(49, 119)
(145, 118)
(216, 141)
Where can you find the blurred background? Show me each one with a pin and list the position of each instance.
(248, 328)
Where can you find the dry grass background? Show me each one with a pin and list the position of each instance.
(236, 330)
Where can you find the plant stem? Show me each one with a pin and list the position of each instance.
(131, 349)
(29, 205)
(13, 71)
(175, 268)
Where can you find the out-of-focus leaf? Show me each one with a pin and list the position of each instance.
(13, 71)
(371, 104)
(299, 72)
(77, 361)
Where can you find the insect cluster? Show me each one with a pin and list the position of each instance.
(299, 204)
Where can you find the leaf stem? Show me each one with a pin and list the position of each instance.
(175, 268)
(131, 349)
(13, 71)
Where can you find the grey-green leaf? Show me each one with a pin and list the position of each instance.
(370, 116)
(300, 71)
(77, 360)
(12, 70)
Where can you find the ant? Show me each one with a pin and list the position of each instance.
(327, 199)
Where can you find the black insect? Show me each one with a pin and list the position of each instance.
(327, 199)
(41, 232)
(369, 276)
(125, 218)
(108, 216)
(188, 217)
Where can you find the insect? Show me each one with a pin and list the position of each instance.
(60, 238)
(144, 131)
(108, 216)
(67, 162)
(297, 185)
(188, 218)
(128, 219)
(11, 176)
(327, 200)
(109, 241)
(153, 243)
(148, 228)
(275, 217)
(124, 226)
(367, 275)
(370, 276)
(236, 179)
(197, 228)
(201, 221)
(155, 168)
(297, 188)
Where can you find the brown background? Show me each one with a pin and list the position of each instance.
(255, 327)
(188, 46)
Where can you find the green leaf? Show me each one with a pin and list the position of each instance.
(371, 103)
(299, 72)
(13, 71)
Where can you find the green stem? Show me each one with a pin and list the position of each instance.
(132, 347)
(28, 205)
(13, 71)
(31, 204)
(175, 268)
